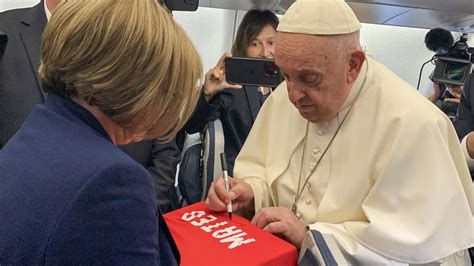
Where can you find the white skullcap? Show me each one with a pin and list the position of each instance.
(319, 17)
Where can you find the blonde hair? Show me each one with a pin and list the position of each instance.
(128, 58)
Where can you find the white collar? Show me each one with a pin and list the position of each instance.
(46, 11)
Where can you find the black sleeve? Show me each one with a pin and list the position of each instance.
(164, 159)
(205, 112)
(464, 122)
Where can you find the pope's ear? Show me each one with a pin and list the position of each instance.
(356, 60)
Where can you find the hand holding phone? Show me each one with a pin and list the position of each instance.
(215, 80)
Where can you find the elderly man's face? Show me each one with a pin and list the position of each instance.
(316, 77)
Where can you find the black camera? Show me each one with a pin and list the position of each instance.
(452, 64)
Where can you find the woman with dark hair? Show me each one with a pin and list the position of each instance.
(256, 34)
(236, 106)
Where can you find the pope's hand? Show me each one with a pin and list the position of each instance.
(281, 222)
(240, 193)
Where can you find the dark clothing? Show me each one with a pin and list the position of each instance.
(237, 110)
(161, 160)
(20, 88)
(464, 122)
(20, 91)
(449, 108)
(69, 196)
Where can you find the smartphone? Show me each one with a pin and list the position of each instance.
(252, 71)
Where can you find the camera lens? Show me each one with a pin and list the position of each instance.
(455, 71)
(270, 69)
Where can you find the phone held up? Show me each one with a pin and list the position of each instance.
(252, 71)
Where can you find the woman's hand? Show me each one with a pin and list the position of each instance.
(215, 80)
(436, 93)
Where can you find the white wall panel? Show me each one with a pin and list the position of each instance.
(211, 30)
(12, 4)
(402, 50)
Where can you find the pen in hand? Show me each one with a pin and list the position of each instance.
(226, 181)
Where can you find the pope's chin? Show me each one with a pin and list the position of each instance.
(310, 116)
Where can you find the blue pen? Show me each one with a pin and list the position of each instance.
(226, 181)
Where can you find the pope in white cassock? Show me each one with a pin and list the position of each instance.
(347, 161)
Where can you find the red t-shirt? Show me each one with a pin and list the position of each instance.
(205, 237)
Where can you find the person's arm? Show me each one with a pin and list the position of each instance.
(319, 243)
(164, 159)
(436, 93)
(208, 111)
(214, 98)
(112, 220)
(329, 243)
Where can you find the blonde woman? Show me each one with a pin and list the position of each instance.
(116, 71)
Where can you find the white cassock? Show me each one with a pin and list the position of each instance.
(393, 186)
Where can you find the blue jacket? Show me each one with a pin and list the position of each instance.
(68, 195)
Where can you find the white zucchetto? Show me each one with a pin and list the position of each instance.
(319, 17)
